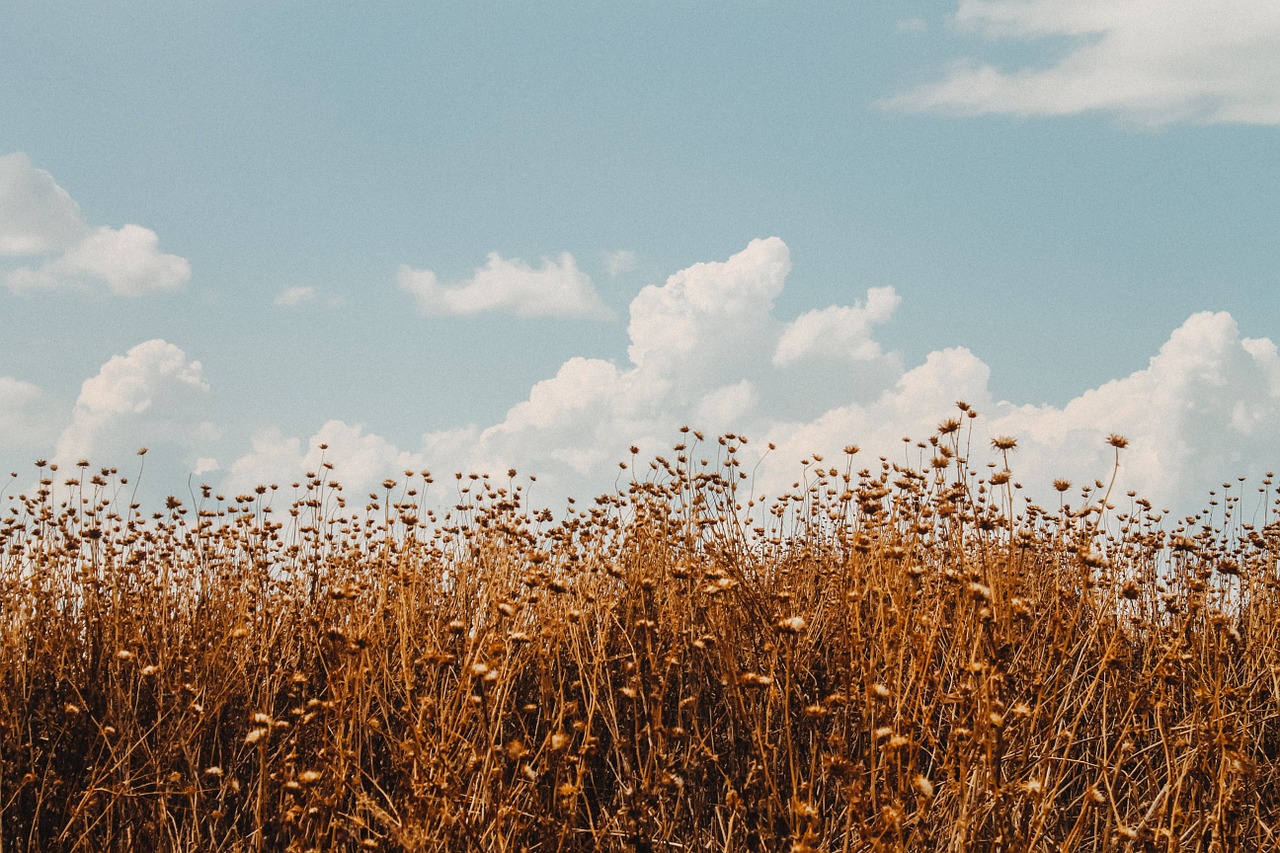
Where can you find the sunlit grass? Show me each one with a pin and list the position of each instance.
(888, 657)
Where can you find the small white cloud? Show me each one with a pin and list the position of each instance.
(556, 289)
(128, 260)
(152, 395)
(1152, 61)
(38, 218)
(620, 262)
(295, 296)
(36, 215)
(838, 330)
(204, 465)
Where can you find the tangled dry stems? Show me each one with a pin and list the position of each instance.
(907, 657)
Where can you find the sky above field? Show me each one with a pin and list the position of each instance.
(479, 235)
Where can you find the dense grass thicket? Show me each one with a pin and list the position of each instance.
(890, 657)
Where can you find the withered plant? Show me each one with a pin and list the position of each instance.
(891, 656)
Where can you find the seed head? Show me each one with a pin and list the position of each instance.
(923, 786)
(792, 625)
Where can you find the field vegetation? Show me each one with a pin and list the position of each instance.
(893, 655)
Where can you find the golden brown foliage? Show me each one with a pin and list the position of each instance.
(906, 657)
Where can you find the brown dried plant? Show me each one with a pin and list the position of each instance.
(888, 657)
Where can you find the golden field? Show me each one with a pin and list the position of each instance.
(888, 657)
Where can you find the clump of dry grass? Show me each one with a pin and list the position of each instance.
(893, 658)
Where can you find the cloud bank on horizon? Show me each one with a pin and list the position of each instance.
(1178, 60)
(707, 350)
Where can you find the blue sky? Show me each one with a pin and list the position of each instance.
(386, 224)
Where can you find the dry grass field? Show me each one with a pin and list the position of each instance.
(889, 657)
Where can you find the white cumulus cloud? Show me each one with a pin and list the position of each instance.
(38, 219)
(151, 396)
(711, 315)
(36, 215)
(555, 289)
(1151, 61)
(1204, 410)
(839, 330)
(127, 259)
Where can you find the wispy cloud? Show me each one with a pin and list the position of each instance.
(292, 296)
(554, 289)
(39, 219)
(1150, 61)
(620, 261)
